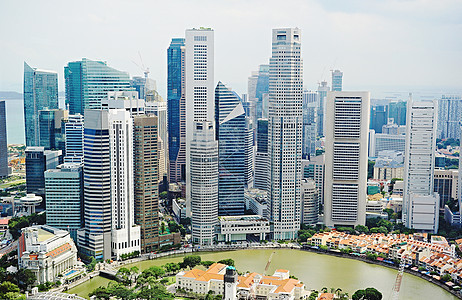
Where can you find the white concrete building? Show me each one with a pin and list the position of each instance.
(204, 183)
(256, 200)
(310, 203)
(125, 234)
(420, 204)
(285, 132)
(236, 228)
(200, 89)
(47, 252)
(346, 158)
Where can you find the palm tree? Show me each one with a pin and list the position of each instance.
(337, 291)
(324, 290)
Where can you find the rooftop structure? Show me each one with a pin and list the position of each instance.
(239, 228)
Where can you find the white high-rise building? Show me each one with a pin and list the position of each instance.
(125, 235)
(200, 89)
(420, 203)
(346, 158)
(204, 183)
(285, 133)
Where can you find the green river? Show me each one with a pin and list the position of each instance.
(315, 270)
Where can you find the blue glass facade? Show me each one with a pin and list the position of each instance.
(3, 142)
(231, 135)
(175, 61)
(38, 161)
(261, 89)
(40, 91)
(87, 83)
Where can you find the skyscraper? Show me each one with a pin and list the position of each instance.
(88, 81)
(285, 132)
(309, 123)
(40, 91)
(146, 169)
(64, 197)
(397, 111)
(379, 117)
(420, 203)
(51, 131)
(3, 142)
(158, 108)
(337, 78)
(176, 109)
(38, 160)
(125, 235)
(200, 88)
(449, 116)
(323, 88)
(95, 238)
(74, 138)
(346, 158)
(261, 156)
(231, 133)
(142, 85)
(249, 153)
(204, 183)
(310, 204)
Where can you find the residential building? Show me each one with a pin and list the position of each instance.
(449, 116)
(310, 203)
(200, 89)
(204, 183)
(142, 85)
(309, 124)
(346, 158)
(261, 156)
(284, 130)
(46, 251)
(242, 228)
(125, 235)
(38, 160)
(3, 142)
(73, 131)
(64, 197)
(88, 82)
(95, 238)
(146, 169)
(232, 134)
(323, 88)
(420, 203)
(176, 110)
(337, 80)
(40, 91)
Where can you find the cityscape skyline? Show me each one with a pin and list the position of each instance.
(366, 32)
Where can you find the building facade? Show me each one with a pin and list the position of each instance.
(449, 116)
(310, 203)
(146, 169)
(420, 205)
(3, 141)
(88, 82)
(204, 183)
(337, 80)
(73, 131)
(40, 91)
(346, 158)
(309, 124)
(323, 88)
(261, 157)
(285, 132)
(38, 160)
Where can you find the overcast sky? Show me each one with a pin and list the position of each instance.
(378, 44)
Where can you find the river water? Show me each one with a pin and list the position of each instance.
(315, 270)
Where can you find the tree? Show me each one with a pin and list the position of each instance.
(207, 263)
(191, 260)
(153, 271)
(154, 292)
(446, 277)
(101, 293)
(359, 295)
(171, 267)
(25, 278)
(163, 195)
(362, 229)
(367, 294)
(227, 261)
(123, 274)
(8, 287)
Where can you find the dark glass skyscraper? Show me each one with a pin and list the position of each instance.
(88, 81)
(397, 111)
(40, 91)
(3, 142)
(176, 109)
(231, 135)
(379, 117)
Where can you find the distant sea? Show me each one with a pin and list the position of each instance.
(15, 121)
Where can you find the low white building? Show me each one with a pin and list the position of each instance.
(179, 209)
(47, 252)
(236, 228)
(256, 201)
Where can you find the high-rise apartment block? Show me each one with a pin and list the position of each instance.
(200, 89)
(88, 82)
(40, 91)
(337, 80)
(285, 132)
(176, 109)
(3, 141)
(346, 158)
(231, 133)
(420, 202)
(204, 183)
(146, 167)
(64, 197)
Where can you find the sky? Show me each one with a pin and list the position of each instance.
(380, 45)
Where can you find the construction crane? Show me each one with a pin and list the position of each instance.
(399, 278)
(145, 71)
